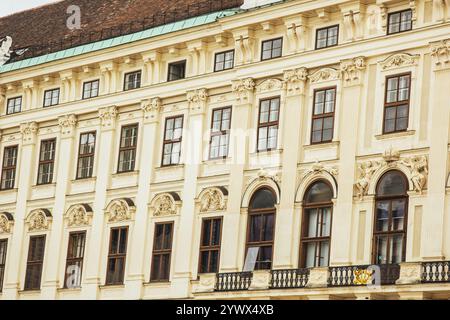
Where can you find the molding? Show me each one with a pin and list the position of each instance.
(295, 81)
(440, 51)
(39, 220)
(79, 215)
(244, 89)
(67, 124)
(399, 60)
(120, 210)
(108, 117)
(6, 222)
(165, 204)
(197, 100)
(352, 70)
(324, 74)
(213, 199)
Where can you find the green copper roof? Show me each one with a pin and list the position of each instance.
(103, 44)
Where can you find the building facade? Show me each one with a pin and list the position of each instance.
(312, 136)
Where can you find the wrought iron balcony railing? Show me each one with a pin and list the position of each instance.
(438, 271)
(233, 281)
(362, 275)
(292, 278)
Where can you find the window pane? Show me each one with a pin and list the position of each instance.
(319, 192)
(398, 215)
(324, 254)
(392, 183)
(396, 249)
(381, 254)
(263, 198)
(310, 255)
(312, 216)
(382, 222)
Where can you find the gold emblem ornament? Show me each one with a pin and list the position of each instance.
(362, 276)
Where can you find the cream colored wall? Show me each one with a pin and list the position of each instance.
(289, 170)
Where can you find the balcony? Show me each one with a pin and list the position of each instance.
(436, 272)
(363, 275)
(233, 281)
(290, 278)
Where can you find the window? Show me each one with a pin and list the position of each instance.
(35, 262)
(177, 71)
(327, 37)
(74, 262)
(132, 80)
(261, 227)
(316, 226)
(269, 113)
(51, 97)
(3, 248)
(396, 106)
(389, 239)
(86, 153)
(9, 168)
(162, 251)
(172, 141)
(128, 145)
(271, 49)
(46, 161)
(14, 105)
(323, 115)
(210, 245)
(220, 133)
(116, 256)
(224, 61)
(400, 21)
(90, 89)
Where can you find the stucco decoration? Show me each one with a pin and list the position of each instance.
(120, 210)
(39, 220)
(243, 89)
(399, 60)
(324, 74)
(79, 215)
(351, 69)
(197, 99)
(213, 199)
(6, 222)
(263, 178)
(269, 85)
(317, 171)
(108, 116)
(418, 167)
(294, 80)
(440, 51)
(165, 204)
(67, 123)
(365, 171)
(28, 131)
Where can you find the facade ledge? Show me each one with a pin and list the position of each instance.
(395, 135)
(75, 290)
(83, 181)
(3, 192)
(127, 173)
(157, 284)
(321, 146)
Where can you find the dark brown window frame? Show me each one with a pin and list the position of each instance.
(304, 240)
(323, 115)
(162, 252)
(173, 141)
(86, 155)
(70, 260)
(397, 103)
(116, 256)
(400, 23)
(124, 149)
(43, 162)
(390, 234)
(268, 124)
(224, 53)
(138, 83)
(90, 91)
(3, 242)
(210, 248)
(271, 50)
(14, 99)
(328, 29)
(221, 132)
(51, 100)
(8, 168)
(176, 63)
(39, 263)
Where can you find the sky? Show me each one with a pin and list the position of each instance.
(11, 6)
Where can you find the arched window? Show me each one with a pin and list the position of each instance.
(316, 225)
(389, 238)
(261, 227)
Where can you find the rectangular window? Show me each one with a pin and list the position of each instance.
(128, 145)
(327, 37)
(220, 133)
(260, 234)
(210, 245)
(35, 262)
(172, 141)
(3, 249)
(268, 124)
(132, 80)
(323, 115)
(51, 97)
(117, 255)
(14, 105)
(177, 71)
(46, 161)
(86, 153)
(271, 49)
(9, 168)
(162, 251)
(224, 61)
(90, 89)
(74, 262)
(396, 106)
(400, 21)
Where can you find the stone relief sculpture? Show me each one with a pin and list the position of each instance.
(419, 171)
(212, 200)
(365, 173)
(120, 210)
(39, 220)
(164, 205)
(77, 216)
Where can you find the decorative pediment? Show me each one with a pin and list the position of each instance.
(324, 74)
(79, 215)
(120, 210)
(213, 199)
(39, 220)
(6, 222)
(269, 85)
(399, 60)
(165, 204)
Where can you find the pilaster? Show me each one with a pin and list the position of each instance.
(152, 62)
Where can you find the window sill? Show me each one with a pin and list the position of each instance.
(29, 292)
(216, 161)
(126, 173)
(14, 190)
(43, 186)
(78, 289)
(84, 180)
(112, 286)
(395, 135)
(157, 284)
(318, 146)
(267, 152)
(169, 167)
